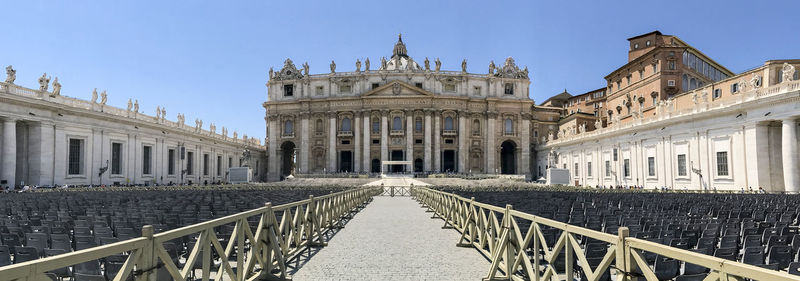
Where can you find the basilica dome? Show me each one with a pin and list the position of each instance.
(400, 59)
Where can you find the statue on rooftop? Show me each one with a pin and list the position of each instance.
(438, 64)
(305, 68)
(491, 67)
(271, 73)
(136, 106)
(94, 95)
(383, 63)
(464, 65)
(11, 75)
(366, 64)
(158, 112)
(788, 72)
(44, 82)
(235, 135)
(333, 67)
(163, 113)
(427, 64)
(103, 97)
(130, 104)
(56, 87)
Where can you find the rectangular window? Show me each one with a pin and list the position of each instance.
(171, 162)
(588, 169)
(626, 167)
(671, 83)
(672, 65)
(205, 164)
(375, 85)
(641, 74)
(376, 126)
(219, 165)
(288, 90)
(608, 168)
(628, 79)
(147, 160)
(509, 89)
(576, 170)
(75, 159)
(230, 162)
(651, 166)
(116, 158)
(419, 85)
(189, 163)
(722, 163)
(681, 165)
(345, 88)
(734, 87)
(449, 87)
(717, 93)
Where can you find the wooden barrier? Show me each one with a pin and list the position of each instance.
(516, 255)
(260, 253)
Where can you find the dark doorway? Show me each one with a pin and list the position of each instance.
(449, 161)
(346, 161)
(397, 155)
(418, 165)
(376, 166)
(288, 156)
(508, 163)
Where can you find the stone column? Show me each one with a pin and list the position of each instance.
(332, 143)
(9, 162)
(410, 139)
(525, 144)
(462, 142)
(356, 125)
(384, 137)
(367, 142)
(426, 166)
(272, 150)
(437, 146)
(491, 151)
(789, 153)
(304, 130)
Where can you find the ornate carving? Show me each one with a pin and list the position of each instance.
(289, 71)
(510, 70)
(755, 82)
(396, 88)
(11, 74)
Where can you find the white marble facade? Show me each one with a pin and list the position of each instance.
(740, 140)
(48, 139)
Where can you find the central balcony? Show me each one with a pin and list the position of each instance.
(345, 133)
(449, 132)
(396, 132)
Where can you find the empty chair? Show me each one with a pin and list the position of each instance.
(781, 255)
(726, 253)
(61, 241)
(754, 256)
(776, 240)
(794, 268)
(729, 242)
(707, 243)
(666, 268)
(23, 254)
(682, 243)
(63, 272)
(692, 269)
(38, 241)
(751, 241)
(11, 239)
(5, 255)
(88, 268)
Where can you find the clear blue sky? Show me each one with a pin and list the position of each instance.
(209, 59)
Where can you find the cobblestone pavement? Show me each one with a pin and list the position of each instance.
(393, 238)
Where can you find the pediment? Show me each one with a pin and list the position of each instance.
(397, 88)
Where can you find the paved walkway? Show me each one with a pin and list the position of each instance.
(393, 238)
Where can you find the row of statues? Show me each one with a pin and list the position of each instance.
(103, 97)
(384, 64)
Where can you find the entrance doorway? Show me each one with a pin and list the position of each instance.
(397, 155)
(375, 166)
(508, 163)
(288, 159)
(418, 165)
(449, 161)
(346, 161)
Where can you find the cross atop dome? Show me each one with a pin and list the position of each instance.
(399, 47)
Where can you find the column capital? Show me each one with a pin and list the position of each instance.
(789, 119)
(491, 114)
(9, 119)
(332, 114)
(384, 112)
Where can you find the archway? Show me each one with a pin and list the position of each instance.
(376, 166)
(418, 165)
(508, 161)
(288, 157)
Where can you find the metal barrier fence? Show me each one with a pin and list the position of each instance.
(393, 191)
(259, 254)
(515, 255)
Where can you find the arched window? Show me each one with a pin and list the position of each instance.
(692, 83)
(685, 84)
(448, 123)
(418, 124)
(476, 127)
(318, 126)
(397, 123)
(508, 126)
(376, 125)
(288, 128)
(346, 124)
